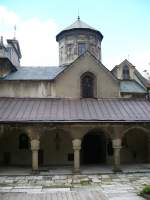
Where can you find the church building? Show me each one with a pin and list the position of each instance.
(76, 114)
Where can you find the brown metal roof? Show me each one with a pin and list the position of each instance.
(70, 110)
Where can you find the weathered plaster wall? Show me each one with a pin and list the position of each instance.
(26, 89)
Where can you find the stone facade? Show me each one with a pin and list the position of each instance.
(11, 51)
(42, 144)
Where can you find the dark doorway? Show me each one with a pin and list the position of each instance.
(41, 157)
(6, 158)
(94, 149)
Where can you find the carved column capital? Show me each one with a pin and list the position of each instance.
(116, 143)
(76, 144)
(34, 132)
(35, 145)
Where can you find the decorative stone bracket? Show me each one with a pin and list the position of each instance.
(35, 145)
(76, 144)
(116, 143)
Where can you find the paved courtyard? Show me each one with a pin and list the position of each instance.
(124, 186)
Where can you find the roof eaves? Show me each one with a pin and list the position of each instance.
(142, 79)
(135, 92)
(73, 29)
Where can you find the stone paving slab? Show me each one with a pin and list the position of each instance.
(54, 196)
(74, 187)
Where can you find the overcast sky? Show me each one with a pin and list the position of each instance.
(124, 24)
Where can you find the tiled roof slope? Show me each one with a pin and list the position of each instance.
(74, 110)
(79, 24)
(35, 73)
(131, 86)
(144, 81)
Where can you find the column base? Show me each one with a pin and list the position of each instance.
(76, 171)
(116, 170)
(35, 172)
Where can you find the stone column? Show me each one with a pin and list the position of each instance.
(76, 147)
(116, 147)
(35, 146)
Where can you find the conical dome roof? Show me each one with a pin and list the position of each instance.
(78, 25)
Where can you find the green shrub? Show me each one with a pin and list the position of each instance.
(146, 190)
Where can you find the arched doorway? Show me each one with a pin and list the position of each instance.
(94, 148)
(135, 147)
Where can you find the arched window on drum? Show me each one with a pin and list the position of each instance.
(126, 72)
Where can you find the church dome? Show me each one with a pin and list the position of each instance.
(78, 25)
(76, 39)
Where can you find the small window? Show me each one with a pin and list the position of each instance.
(81, 48)
(23, 141)
(69, 49)
(87, 85)
(126, 74)
(61, 53)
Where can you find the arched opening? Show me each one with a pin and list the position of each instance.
(23, 141)
(135, 147)
(126, 73)
(94, 148)
(15, 149)
(87, 85)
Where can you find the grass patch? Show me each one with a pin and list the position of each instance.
(83, 183)
(146, 190)
(57, 186)
(145, 193)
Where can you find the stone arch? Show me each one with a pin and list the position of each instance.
(94, 148)
(135, 145)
